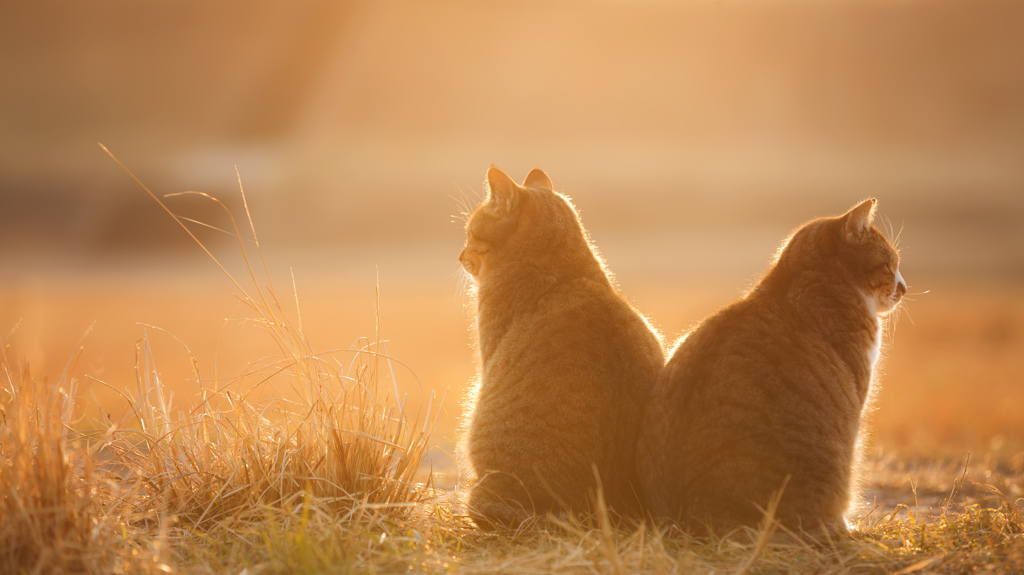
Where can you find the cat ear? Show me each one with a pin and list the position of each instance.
(502, 190)
(858, 220)
(537, 179)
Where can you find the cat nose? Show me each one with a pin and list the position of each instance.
(901, 286)
(467, 262)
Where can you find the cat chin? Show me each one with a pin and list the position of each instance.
(882, 305)
(889, 303)
(890, 307)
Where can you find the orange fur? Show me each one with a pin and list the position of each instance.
(565, 362)
(769, 391)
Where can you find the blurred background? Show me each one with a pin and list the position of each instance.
(693, 137)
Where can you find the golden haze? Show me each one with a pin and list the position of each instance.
(693, 137)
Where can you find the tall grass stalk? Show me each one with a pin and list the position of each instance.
(345, 445)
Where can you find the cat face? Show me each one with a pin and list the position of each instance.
(492, 222)
(871, 259)
(852, 247)
(529, 222)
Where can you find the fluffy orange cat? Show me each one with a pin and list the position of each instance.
(767, 394)
(565, 363)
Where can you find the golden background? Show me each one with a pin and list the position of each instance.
(692, 136)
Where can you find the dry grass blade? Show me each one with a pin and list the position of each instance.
(765, 533)
(50, 517)
(608, 546)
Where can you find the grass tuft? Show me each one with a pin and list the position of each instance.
(51, 518)
(309, 463)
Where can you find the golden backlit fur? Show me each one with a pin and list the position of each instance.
(767, 394)
(565, 363)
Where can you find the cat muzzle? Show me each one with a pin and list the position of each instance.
(901, 285)
(467, 263)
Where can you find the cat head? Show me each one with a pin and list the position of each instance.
(851, 249)
(528, 222)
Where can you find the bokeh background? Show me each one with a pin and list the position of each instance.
(693, 136)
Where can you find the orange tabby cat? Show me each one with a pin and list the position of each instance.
(767, 394)
(565, 363)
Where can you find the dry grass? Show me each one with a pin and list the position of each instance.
(225, 489)
(309, 462)
(65, 513)
(51, 517)
(345, 454)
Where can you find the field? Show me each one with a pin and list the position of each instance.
(158, 436)
(299, 413)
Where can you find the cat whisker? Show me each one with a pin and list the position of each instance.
(462, 214)
(892, 234)
(891, 321)
(905, 309)
(888, 230)
(463, 203)
(463, 284)
(477, 196)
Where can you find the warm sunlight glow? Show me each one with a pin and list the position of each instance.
(216, 369)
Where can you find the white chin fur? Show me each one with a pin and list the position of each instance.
(876, 346)
(882, 305)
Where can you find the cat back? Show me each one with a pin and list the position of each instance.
(766, 396)
(565, 363)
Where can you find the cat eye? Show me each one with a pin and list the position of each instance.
(880, 275)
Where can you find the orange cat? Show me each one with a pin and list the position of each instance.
(767, 394)
(565, 363)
